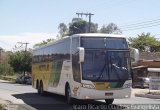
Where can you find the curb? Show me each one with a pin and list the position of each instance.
(148, 96)
(16, 107)
(12, 105)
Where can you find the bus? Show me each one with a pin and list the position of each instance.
(84, 66)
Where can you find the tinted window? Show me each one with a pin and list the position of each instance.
(75, 59)
(58, 51)
(106, 42)
(102, 65)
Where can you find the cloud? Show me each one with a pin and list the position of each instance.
(8, 42)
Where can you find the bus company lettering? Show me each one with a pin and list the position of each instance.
(44, 67)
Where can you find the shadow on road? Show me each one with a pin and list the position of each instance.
(58, 102)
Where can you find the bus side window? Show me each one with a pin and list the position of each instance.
(75, 60)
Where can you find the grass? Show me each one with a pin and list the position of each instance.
(11, 78)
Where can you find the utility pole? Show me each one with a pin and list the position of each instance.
(26, 43)
(87, 14)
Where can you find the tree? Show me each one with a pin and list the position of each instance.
(145, 40)
(111, 28)
(94, 27)
(44, 42)
(5, 68)
(20, 61)
(63, 30)
(81, 26)
(77, 26)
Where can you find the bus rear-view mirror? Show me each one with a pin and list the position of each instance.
(81, 54)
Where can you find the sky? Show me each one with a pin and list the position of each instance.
(35, 20)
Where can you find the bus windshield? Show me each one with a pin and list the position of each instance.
(106, 59)
(103, 65)
(103, 42)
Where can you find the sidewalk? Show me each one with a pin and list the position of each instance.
(3, 80)
(8, 102)
(154, 94)
(4, 102)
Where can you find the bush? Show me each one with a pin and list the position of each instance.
(6, 69)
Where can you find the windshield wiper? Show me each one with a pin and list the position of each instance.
(116, 71)
(101, 72)
(104, 68)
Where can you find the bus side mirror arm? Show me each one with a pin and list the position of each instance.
(81, 54)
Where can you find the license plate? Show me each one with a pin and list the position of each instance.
(109, 94)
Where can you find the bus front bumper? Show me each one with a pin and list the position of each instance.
(85, 93)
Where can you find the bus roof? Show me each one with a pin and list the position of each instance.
(100, 35)
(82, 35)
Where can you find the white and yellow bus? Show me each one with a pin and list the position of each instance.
(84, 66)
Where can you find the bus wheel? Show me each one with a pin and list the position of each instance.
(41, 89)
(38, 89)
(68, 95)
(109, 101)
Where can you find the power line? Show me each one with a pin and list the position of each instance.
(140, 27)
(87, 15)
(25, 43)
(141, 23)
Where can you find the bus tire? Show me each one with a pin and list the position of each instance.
(38, 90)
(68, 94)
(38, 87)
(109, 101)
(42, 92)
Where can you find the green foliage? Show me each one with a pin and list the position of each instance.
(20, 61)
(63, 30)
(94, 27)
(9, 77)
(111, 28)
(44, 42)
(145, 39)
(6, 69)
(77, 26)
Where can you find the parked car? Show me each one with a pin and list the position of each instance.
(28, 80)
(20, 79)
(142, 82)
(24, 79)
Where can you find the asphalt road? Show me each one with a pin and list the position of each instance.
(26, 96)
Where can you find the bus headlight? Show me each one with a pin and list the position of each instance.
(89, 86)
